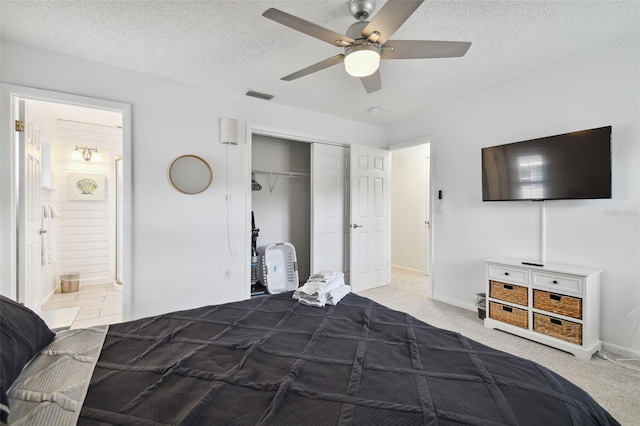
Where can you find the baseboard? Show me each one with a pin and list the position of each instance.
(467, 306)
(618, 350)
(95, 281)
(407, 269)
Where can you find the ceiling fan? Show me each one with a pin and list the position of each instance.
(367, 42)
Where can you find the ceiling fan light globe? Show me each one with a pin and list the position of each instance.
(362, 61)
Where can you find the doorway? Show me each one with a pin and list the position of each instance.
(78, 135)
(410, 209)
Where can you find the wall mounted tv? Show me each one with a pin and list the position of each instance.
(570, 166)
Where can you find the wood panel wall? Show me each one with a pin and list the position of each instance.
(87, 228)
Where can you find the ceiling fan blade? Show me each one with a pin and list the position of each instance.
(390, 17)
(307, 27)
(372, 83)
(423, 49)
(334, 60)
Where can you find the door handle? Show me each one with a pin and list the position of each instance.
(43, 231)
(355, 225)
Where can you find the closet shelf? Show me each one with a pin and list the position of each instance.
(285, 174)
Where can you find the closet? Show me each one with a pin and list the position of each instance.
(282, 206)
(307, 194)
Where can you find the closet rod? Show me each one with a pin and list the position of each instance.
(285, 174)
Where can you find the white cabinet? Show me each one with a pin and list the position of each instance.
(554, 304)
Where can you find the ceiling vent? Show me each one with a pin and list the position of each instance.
(259, 95)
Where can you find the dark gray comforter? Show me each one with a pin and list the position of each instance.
(274, 361)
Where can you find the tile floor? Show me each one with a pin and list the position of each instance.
(99, 304)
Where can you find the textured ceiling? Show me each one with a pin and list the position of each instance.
(229, 44)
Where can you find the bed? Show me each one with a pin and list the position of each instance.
(272, 360)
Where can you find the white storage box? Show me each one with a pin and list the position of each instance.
(280, 268)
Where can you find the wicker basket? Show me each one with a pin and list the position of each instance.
(557, 303)
(561, 329)
(509, 292)
(509, 314)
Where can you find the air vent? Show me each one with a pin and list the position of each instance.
(259, 95)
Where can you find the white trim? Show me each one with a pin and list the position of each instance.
(8, 225)
(285, 134)
(411, 143)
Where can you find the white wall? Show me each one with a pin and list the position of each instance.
(282, 208)
(581, 94)
(180, 247)
(409, 184)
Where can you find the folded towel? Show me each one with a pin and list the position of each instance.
(325, 276)
(336, 295)
(312, 301)
(318, 289)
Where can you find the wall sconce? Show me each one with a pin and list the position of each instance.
(229, 131)
(86, 154)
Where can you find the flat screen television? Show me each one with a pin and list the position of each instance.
(569, 166)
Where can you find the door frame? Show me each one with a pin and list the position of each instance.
(256, 129)
(430, 139)
(8, 216)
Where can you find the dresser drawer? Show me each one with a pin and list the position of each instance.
(560, 329)
(505, 273)
(558, 282)
(509, 314)
(558, 303)
(509, 292)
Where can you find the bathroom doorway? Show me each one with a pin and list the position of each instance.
(83, 199)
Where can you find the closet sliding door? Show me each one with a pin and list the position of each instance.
(330, 208)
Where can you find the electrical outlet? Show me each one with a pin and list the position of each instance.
(227, 274)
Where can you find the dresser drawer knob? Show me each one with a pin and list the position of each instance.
(555, 282)
(555, 297)
(555, 321)
(508, 287)
(506, 273)
(507, 308)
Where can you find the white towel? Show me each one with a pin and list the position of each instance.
(323, 287)
(318, 289)
(44, 238)
(331, 298)
(336, 295)
(48, 239)
(312, 301)
(325, 276)
(54, 212)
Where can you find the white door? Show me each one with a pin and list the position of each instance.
(427, 213)
(330, 208)
(370, 176)
(29, 210)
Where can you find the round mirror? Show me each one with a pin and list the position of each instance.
(190, 174)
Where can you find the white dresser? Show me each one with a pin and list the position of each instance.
(554, 304)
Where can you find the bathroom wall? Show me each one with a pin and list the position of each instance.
(87, 227)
